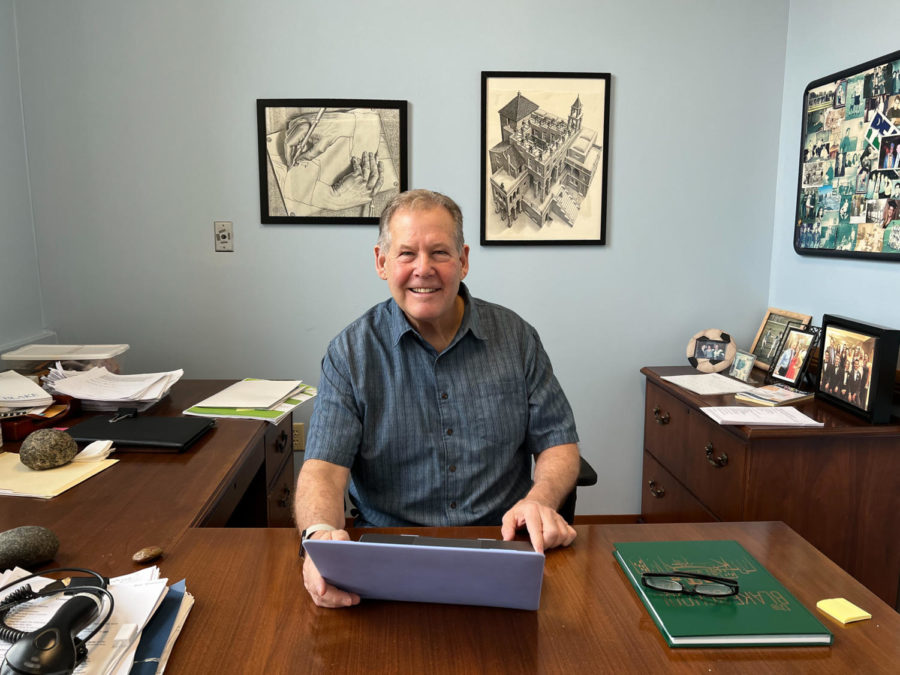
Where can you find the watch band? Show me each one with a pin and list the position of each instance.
(310, 531)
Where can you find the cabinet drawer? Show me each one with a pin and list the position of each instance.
(666, 421)
(280, 498)
(665, 500)
(279, 447)
(714, 468)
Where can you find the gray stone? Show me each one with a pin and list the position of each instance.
(47, 449)
(27, 546)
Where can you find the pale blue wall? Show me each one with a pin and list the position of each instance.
(20, 297)
(824, 38)
(141, 132)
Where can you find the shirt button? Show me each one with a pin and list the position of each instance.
(444, 395)
(452, 505)
(449, 432)
(452, 468)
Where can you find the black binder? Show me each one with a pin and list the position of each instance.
(143, 433)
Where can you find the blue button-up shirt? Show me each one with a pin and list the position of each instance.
(437, 439)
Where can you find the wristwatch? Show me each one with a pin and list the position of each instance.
(311, 530)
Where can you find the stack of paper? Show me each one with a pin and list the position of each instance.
(783, 416)
(138, 597)
(268, 400)
(99, 389)
(20, 395)
(708, 384)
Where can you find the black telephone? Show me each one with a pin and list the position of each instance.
(55, 648)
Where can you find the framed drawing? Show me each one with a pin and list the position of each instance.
(848, 188)
(858, 367)
(544, 153)
(770, 334)
(793, 355)
(329, 160)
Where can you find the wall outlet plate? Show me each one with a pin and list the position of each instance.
(224, 236)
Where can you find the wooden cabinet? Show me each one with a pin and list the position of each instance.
(838, 485)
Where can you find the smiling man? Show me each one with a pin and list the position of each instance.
(433, 404)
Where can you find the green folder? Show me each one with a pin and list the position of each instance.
(764, 613)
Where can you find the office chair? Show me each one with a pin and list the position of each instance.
(586, 476)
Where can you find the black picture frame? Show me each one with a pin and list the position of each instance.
(544, 158)
(844, 339)
(330, 161)
(793, 355)
(848, 183)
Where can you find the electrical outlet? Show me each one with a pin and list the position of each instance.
(224, 233)
(299, 437)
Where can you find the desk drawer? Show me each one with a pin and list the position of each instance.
(279, 448)
(665, 500)
(280, 498)
(666, 421)
(714, 468)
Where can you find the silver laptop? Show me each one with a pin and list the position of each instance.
(433, 569)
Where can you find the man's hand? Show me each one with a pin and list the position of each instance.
(321, 592)
(546, 528)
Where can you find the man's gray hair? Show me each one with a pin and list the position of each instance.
(414, 200)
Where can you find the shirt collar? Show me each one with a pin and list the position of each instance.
(400, 326)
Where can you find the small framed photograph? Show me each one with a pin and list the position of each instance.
(771, 332)
(793, 355)
(742, 365)
(329, 161)
(858, 366)
(544, 156)
(711, 350)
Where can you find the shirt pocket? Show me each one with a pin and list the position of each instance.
(501, 413)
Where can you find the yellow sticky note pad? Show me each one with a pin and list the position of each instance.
(842, 610)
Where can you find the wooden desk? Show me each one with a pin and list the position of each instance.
(239, 473)
(252, 614)
(837, 485)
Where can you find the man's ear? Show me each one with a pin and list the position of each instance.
(380, 259)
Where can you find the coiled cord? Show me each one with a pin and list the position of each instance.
(25, 594)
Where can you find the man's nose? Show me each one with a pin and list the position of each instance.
(423, 264)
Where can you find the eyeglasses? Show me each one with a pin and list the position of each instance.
(716, 587)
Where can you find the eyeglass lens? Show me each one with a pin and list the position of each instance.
(673, 586)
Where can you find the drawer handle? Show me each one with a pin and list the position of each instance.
(281, 442)
(718, 462)
(655, 491)
(660, 418)
(285, 500)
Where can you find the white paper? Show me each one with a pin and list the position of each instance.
(251, 394)
(17, 391)
(775, 416)
(99, 384)
(709, 383)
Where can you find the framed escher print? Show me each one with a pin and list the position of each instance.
(544, 155)
(329, 160)
(848, 194)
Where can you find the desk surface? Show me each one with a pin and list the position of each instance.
(146, 499)
(252, 614)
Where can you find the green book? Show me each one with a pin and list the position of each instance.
(763, 613)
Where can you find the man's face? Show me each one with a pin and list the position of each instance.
(422, 265)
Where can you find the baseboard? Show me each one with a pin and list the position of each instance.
(625, 519)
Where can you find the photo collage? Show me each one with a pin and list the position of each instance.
(849, 197)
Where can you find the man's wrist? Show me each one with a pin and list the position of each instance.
(312, 529)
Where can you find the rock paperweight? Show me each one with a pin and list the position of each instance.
(26, 546)
(47, 449)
